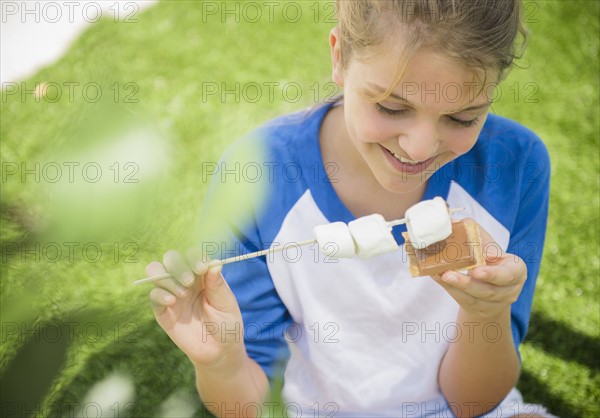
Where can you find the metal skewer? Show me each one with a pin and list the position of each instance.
(272, 250)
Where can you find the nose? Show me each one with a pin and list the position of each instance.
(421, 141)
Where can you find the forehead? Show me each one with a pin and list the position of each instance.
(429, 79)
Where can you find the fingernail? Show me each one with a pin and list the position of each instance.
(187, 278)
(169, 299)
(182, 291)
(481, 274)
(200, 267)
(450, 278)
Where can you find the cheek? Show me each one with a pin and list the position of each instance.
(370, 127)
(460, 143)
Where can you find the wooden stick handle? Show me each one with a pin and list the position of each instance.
(234, 259)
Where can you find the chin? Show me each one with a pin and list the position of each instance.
(402, 185)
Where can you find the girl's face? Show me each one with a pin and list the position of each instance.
(431, 118)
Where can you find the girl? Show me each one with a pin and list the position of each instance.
(360, 337)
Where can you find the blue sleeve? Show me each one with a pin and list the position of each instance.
(265, 317)
(228, 228)
(528, 233)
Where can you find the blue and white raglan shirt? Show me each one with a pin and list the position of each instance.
(360, 336)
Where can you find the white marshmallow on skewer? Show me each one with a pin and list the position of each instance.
(428, 222)
(372, 235)
(335, 240)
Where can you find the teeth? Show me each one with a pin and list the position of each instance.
(405, 160)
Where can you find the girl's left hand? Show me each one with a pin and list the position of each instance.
(487, 291)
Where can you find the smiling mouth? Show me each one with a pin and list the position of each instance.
(406, 165)
(402, 159)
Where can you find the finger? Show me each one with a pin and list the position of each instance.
(169, 284)
(154, 268)
(197, 260)
(458, 295)
(218, 293)
(160, 300)
(474, 287)
(465, 299)
(508, 272)
(178, 267)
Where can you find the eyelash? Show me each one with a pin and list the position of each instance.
(459, 122)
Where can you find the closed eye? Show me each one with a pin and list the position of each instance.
(458, 122)
(388, 111)
(464, 123)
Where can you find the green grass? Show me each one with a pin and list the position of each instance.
(168, 54)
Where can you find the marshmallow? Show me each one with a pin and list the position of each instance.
(428, 222)
(335, 240)
(372, 236)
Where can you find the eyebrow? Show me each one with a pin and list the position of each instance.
(402, 99)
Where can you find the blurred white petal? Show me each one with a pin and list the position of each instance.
(180, 404)
(110, 397)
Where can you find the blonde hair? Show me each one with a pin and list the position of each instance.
(480, 35)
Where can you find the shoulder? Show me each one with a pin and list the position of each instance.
(293, 138)
(264, 150)
(505, 154)
(508, 167)
(272, 165)
(504, 140)
(283, 130)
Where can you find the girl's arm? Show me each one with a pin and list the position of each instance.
(482, 366)
(235, 387)
(480, 371)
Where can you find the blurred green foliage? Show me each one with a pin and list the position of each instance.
(158, 77)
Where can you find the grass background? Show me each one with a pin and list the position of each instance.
(106, 324)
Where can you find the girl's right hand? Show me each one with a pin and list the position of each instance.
(197, 309)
